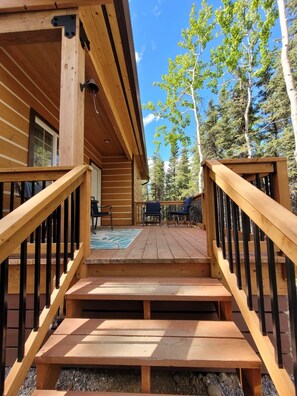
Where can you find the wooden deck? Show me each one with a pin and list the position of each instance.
(162, 244)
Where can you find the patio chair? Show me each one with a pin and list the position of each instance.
(96, 213)
(153, 211)
(183, 212)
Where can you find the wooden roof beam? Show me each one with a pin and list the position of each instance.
(37, 5)
(31, 21)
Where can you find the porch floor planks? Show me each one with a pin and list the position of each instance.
(150, 253)
(164, 252)
(189, 244)
(158, 244)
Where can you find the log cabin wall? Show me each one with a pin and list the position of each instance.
(18, 94)
(117, 189)
(137, 184)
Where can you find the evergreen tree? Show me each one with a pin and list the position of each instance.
(183, 174)
(157, 174)
(170, 185)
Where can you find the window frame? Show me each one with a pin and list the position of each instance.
(36, 118)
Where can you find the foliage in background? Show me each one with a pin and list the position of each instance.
(247, 112)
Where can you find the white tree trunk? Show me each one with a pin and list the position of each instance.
(198, 136)
(291, 91)
(247, 121)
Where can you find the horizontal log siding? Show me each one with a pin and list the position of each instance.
(137, 185)
(117, 189)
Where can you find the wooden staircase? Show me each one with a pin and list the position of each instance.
(147, 342)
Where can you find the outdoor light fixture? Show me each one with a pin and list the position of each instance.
(92, 87)
(106, 140)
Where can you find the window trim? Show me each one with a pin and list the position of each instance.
(36, 118)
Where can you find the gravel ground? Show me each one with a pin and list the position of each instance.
(163, 381)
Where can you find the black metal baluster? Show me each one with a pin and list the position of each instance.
(77, 217)
(58, 247)
(292, 299)
(259, 278)
(54, 227)
(259, 186)
(43, 227)
(22, 192)
(37, 279)
(66, 230)
(1, 199)
(236, 243)
(271, 186)
(222, 222)
(72, 227)
(274, 301)
(267, 187)
(229, 236)
(3, 320)
(33, 193)
(11, 201)
(215, 200)
(246, 256)
(22, 302)
(48, 275)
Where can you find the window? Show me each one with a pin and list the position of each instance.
(43, 143)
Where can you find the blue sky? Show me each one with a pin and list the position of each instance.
(157, 26)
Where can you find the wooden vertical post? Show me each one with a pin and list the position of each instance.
(281, 184)
(85, 220)
(72, 101)
(209, 220)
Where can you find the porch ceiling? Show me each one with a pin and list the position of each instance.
(110, 61)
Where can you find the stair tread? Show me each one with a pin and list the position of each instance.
(149, 288)
(159, 343)
(173, 328)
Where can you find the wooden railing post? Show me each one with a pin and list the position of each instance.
(209, 220)
(281, 184)
(85, 219)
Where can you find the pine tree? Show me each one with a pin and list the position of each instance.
(170, 185)
(157, 173)
(183, 174)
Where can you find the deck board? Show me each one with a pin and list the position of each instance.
(168, 245)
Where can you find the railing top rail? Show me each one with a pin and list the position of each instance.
(17, 225)
(25, 173)
(252, 160)
(278, 223)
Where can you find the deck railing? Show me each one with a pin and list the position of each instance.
(166, 206)
(248, 231)
(52, 227)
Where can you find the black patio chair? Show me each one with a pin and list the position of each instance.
(96, 212)
(153, 212)
(183, 212)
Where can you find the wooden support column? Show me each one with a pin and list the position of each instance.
(72, 101)
(209, 220)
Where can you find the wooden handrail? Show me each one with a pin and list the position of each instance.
(17, 225)
(20, 223)
(275, 221)
(278, 223)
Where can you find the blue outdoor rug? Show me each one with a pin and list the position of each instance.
(113, 239)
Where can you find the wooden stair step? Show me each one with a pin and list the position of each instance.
(146, 344)
(148, 289)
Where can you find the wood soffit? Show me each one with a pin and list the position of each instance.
(110, 61)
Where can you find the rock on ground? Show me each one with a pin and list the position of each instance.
(163, 381)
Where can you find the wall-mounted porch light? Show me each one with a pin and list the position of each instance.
(92, 87)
